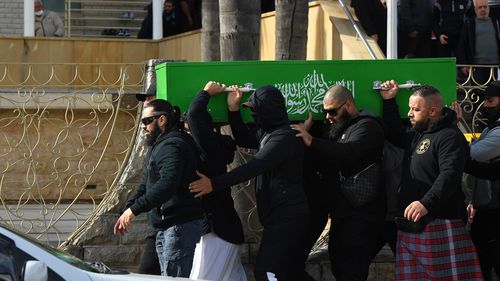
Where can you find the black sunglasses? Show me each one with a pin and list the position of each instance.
(147, 120)
(333, 111)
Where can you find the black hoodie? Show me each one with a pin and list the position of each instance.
(433, 165)
(277, 165)
(360, 145)
(217, 151)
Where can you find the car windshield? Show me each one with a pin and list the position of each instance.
(92, 267)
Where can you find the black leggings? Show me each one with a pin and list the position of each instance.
(282, 250)
(352, 246)
(485, 233)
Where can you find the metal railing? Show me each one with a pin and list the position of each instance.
(471, 80)
(65, 133)
(360, 33)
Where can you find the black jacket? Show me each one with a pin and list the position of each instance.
(163, 189)
(449, 16)
(467, 43)
(146, 31)
(433, 164)
(361, 144)
(490, 171)
(373, 18)
(277, 165)
(318, 175)
(217, 151)
(415, 15)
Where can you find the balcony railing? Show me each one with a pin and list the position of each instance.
(65, 134)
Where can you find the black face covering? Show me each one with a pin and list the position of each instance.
(491, 113)
(256, 119)
(340, 125)
(153, 135)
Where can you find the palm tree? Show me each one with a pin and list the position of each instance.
(291, 29)
(210, 32)
(239, 29)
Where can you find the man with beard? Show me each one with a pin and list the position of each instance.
(432, 239)
(277, 167)
(356, 141)
(486, 149)
(163, 190)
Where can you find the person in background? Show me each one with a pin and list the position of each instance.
(47, 23)
(146, 31)
(416, 24)
(372, 15)
(172, 19)
(480, 43)
(448, 19)
(494, 8)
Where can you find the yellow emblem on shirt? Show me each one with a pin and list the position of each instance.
(423, 146)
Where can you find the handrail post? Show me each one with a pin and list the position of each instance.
(358, 30)
(69, 16)
(392, 29)
(29, 18)
(157, 19)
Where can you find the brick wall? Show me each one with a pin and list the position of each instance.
(11, 17)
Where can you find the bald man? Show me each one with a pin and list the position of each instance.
(432, 240)
(480, 43)
(354, 145)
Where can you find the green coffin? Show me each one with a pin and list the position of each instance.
(304, 83)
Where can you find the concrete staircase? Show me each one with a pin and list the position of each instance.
(104, 18)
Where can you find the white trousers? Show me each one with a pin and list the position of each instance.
(217, 260)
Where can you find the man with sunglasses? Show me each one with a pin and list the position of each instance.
(355, 142)
(163, 190)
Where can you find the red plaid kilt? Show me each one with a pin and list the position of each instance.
(443, 251)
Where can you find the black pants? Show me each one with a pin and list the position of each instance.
(149, 260)
(450, 49)
(485, 233)
(388, 235)
(282, 250)
(352, 246)
(419, 46)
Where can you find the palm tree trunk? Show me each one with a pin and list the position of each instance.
(291, 29)
(239, 29)
(210, 32)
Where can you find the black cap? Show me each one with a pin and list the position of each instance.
(249, 102)
(150, 91)
(493, 90)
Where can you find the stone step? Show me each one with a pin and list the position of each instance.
(89, 18)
